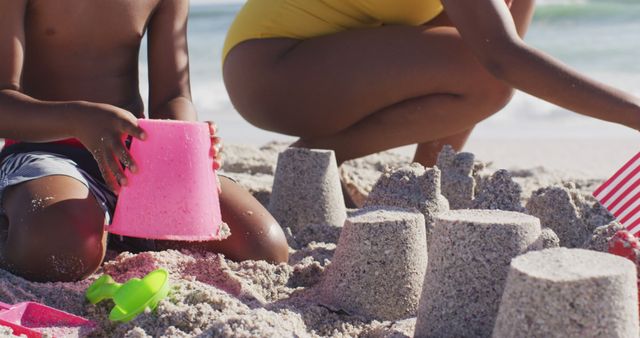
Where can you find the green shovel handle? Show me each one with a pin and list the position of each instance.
(103, 288)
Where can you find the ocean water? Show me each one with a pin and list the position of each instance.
(600, 38)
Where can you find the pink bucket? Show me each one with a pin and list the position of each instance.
(174, 194)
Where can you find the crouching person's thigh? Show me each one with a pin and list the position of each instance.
(55, 230)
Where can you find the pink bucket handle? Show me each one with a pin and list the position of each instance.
(5, 306)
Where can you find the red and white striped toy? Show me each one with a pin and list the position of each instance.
(621, 195)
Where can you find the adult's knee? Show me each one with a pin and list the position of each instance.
(497, 95)
(489, 96)
(59, 243)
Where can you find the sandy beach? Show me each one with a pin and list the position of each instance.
(534, 164)
(212, 296)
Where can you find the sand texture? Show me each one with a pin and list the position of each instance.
(214, 297)
(458, 185)
(499, 192)
(569, 293)
(360, 175)
(548, 239)
(411, 187)
(469, 256)
(599, 240)
(567, 212)
(378, 268)
(306, 189)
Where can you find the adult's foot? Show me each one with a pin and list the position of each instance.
(348, 201)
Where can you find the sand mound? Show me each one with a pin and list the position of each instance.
(212, 296)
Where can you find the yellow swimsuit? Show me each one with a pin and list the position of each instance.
(303, 19)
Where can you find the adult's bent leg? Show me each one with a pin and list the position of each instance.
(55, 230)
(362, 91)
(357, 91)
(255, 234)
(427, 153)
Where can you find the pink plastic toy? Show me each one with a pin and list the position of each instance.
(34, 319)
(174, 194)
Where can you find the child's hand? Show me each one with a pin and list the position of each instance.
(102, 128)
(216, 151)
(216, 146)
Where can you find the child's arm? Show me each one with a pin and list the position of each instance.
(488, 29)
(98, 126)
(16, 121)
(169, 88)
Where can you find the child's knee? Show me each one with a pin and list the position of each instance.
(266, 242)
(274, 246)
(48, 247)
(40, 259)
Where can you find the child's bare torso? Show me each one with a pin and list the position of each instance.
(85, 50)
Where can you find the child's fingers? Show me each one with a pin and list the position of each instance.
(103, 165)
(216, 145)
(217, 164)
(217, 158)
(113, 164)
(216, 148)
(216, 140)
(213, 128)
(124, 156)
(219, 154)
(118, 173)
(131, 128)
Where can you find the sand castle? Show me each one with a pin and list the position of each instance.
(569, 293)
(378, 268)
(548, 239)
(411, 187)
(458, 185)
(314, 233)
(561, 211)
(499, 192)
(217, 297)
(600, 237)
(361, 174)
(469, 256)
(466, 187)
(306, 189)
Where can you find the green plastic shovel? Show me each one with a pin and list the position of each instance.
(132, 297)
